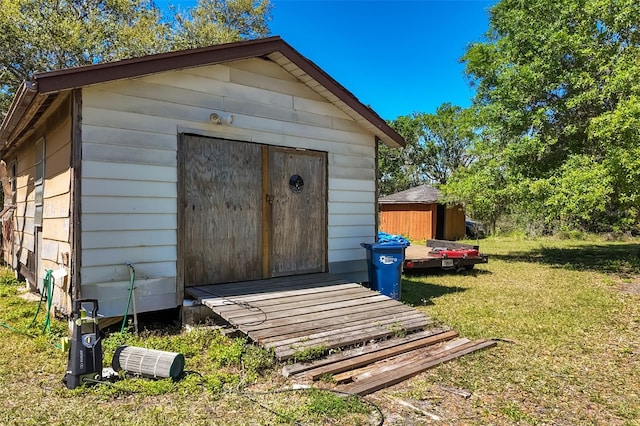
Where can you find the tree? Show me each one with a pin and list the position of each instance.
(557, 85)
(221, 21)
(401, 168)
(449, 136)
(437, 145)
(45, 35)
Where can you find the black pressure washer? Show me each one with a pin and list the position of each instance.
(85, 353)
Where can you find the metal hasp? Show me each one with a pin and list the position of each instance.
(85, 353)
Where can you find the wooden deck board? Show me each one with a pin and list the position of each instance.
(315, 310)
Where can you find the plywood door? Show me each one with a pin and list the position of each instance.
(298, 211)
(221, 216)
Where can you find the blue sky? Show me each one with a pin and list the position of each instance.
(398, 57)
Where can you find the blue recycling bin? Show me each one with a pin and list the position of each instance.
(384, 261)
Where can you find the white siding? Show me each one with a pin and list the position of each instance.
(129, 188)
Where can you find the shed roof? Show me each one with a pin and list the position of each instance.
(423, 194)
(32, 96)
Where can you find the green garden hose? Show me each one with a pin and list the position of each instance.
(132, 276)
(48, 284)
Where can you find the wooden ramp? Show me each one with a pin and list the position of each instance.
(293, 314)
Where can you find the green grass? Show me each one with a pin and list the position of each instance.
(570, 333)
(567, 314)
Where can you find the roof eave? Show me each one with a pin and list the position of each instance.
(407, 202)
(72, 78)
(23, 99)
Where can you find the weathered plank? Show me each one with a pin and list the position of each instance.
(370, 302)
(347, 339)
(287, 327)
(209, 294)
(299, 369)
(273, 304)
(392, 377)
(401, 361)
(271, 286)
(296, 312)
(339, 327)
(370, 358)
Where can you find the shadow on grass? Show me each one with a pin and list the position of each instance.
(613, 258)
(420, 293)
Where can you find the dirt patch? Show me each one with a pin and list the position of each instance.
(29, 296)
(630, 285)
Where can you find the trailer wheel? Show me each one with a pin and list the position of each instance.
(469, 267)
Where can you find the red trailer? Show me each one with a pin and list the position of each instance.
(443, 254)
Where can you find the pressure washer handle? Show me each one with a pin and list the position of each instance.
(81, 305)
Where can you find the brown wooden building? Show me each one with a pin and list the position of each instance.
(233, 162)
(418, 215)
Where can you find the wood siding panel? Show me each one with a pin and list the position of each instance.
(257, 66)
(58, 184)
(132, 154)
(276, 84)
(349, 208)
(128, 188)
(352, 196)
(135, 255)
(130, 238)
(220, 88)
(133, 172)
(120, 272)
(318, 107)
(127, 205)
(56, 207)
(106, 118)
(414, 221)
(363, 231)
(127, 222)
(56, 229)
(147, 90)
(131, 138)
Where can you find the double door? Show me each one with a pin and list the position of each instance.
(249, 211)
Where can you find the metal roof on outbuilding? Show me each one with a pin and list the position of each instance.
(423, 194)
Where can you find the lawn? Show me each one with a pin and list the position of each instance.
(566, 314)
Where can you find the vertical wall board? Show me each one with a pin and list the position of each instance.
(414, 221)
(454, 223)
(222, 211)
(298, 210)
(75, 235)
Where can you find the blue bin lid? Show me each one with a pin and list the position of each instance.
(386, 244)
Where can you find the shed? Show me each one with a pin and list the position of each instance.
(234, 162)
(417, 214)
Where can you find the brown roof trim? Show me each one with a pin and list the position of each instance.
(77, 77)
(56, 81)
(23, 98)
(336, 88)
